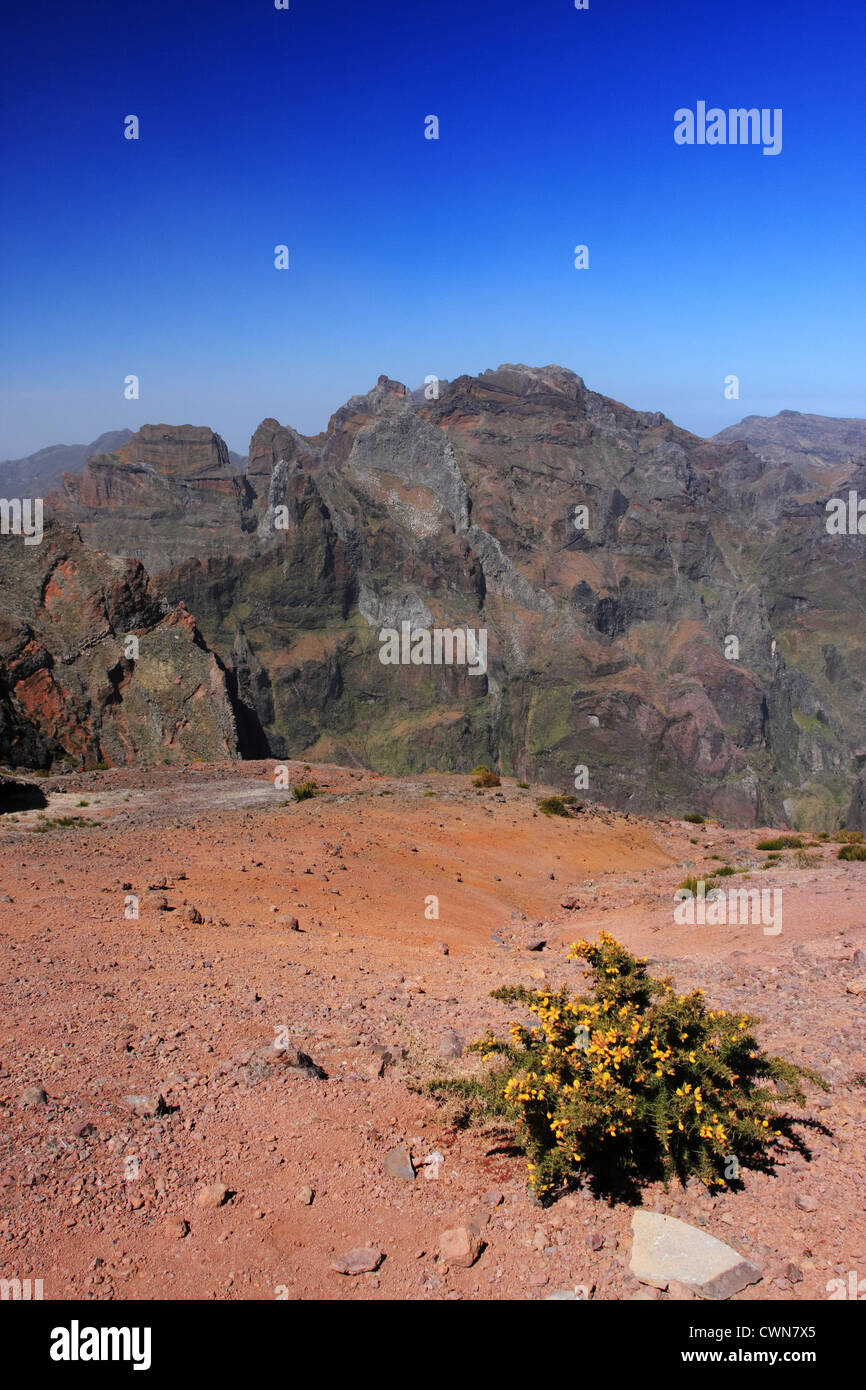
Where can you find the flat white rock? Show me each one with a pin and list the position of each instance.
(666, 1249)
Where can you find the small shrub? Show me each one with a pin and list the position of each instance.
(804, 860)
(694, 819)
(524, 786)
(44, 823)
(630, 1082)
(725, 871)
(781, 842)
(82, 803)
(486, 778)
(690, 884)
(302, 791)
(849, 837)
(555, 805)
(851, 852)
(430, 793)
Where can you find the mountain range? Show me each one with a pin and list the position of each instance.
(667, 612)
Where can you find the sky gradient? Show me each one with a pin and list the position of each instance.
(410, 256)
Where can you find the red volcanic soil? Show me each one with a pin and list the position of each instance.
(101, 1199)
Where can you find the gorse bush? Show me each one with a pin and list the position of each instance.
(694, 819)
(852, 852)
(485, 777)
(556, 805)
(302, 791)
(781, 842)
(630, 1082)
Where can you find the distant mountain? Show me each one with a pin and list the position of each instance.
(39, 473)
(42, 472)
(815, 442)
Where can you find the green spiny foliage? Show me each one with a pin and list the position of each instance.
(631, 1082)
(556, 805)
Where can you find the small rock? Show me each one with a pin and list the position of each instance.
(451, 1045)
(857, 986)
(33, 1096)
(461, 1245)
(212, 1196)
(806, 1202)
(358, 1261)
(305, 1196)
(595, 1241)
(681, 1292)
(793, 1272)
(176, 1228)
(399, 1164)
(146, 1105)
(859, 960)
(193, 915)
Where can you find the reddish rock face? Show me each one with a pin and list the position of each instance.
(74, 687)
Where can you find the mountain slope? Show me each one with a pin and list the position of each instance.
(607, 645)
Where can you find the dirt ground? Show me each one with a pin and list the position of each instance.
(102, 1198)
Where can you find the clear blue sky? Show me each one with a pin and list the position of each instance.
(411, 256)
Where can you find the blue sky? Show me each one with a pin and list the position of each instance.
(410, 256)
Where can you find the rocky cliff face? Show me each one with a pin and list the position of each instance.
(168, 493)
(42, 472)
(72, 686)
(692, 641)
